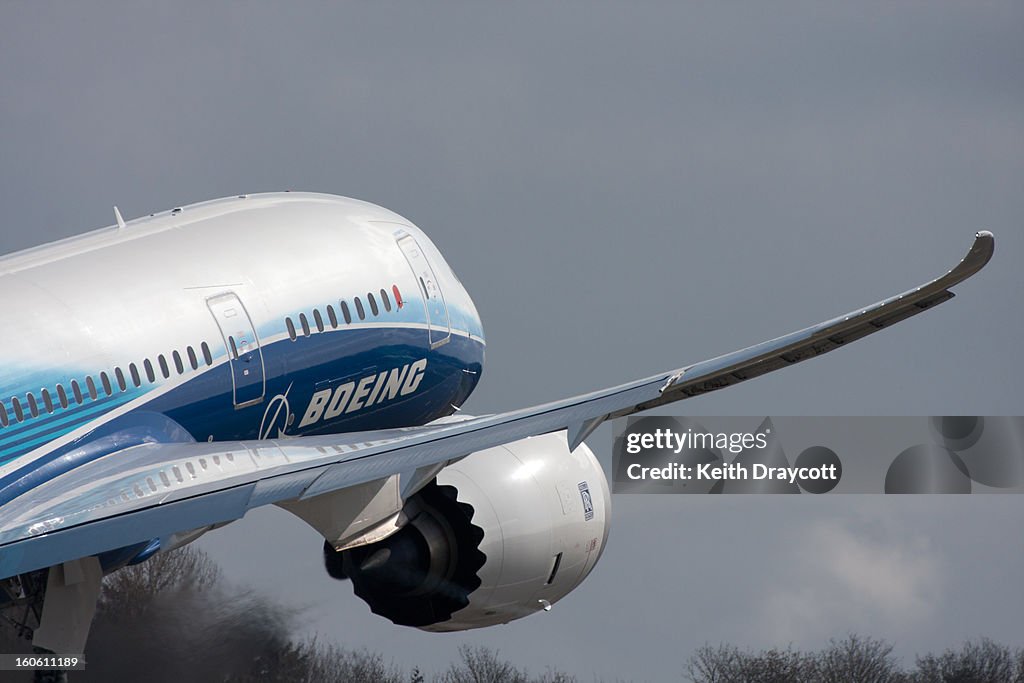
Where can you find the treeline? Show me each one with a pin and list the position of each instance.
(856, 660)
(174, 618)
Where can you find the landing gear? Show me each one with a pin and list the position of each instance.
(53, 608)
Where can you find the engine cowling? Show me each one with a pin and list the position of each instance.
(501, 534)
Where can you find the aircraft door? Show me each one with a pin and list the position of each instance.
(248, 376)
(438, 325)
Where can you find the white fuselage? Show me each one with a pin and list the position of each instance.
(266, 315)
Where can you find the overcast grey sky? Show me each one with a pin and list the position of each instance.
(623, 189)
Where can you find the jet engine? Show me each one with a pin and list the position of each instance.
(499, 535)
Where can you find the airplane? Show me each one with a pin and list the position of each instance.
(165, 375)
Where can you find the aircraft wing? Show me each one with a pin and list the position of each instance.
(151, 491)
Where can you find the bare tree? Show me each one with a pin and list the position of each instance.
(855, 658)
(191, 628)
(482, 665)
(129, 591)
(851, 660)
(714, 664)
(728, 664)
(333, 663)
(975, 662)
(173, 618)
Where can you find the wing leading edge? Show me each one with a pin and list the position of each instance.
(116, 501)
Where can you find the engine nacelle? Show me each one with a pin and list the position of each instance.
(501, 534)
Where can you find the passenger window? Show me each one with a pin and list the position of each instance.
(91, 385)
(332, 316)
(233, 347)
(345, 312)
(32, 406)
(4, 419)
(119, 374)
(19, 414)
(359, 309)
(47, 401)
(373, 303)
(134, 372)
(192, 360)
(62, 396)
(304, 321)
(150, 375)
(77, 391)
(164, 369)
(385, 300)
(207, 356)
(398, 296)
(291, 329)
(318, 319)
(106, 384)
(178, 365)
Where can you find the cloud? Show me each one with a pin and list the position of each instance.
(855, 577)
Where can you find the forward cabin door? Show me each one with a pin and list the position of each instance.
(438, 324)
(248, 376)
